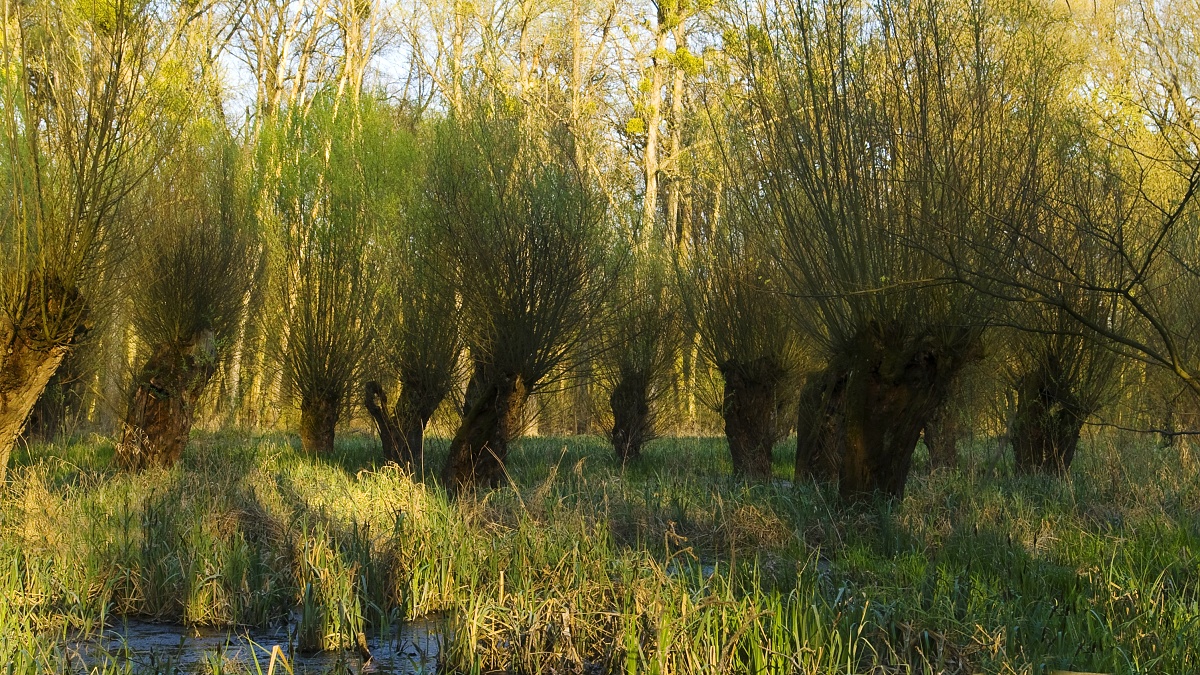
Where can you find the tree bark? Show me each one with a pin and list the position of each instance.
(61, 401)
(891, 392)
(632, 422)
(753, 407)
(389, 430)
(819, 440)
(402, 429)
(160, 415)
(319, 415)
(411, 425)
(1046, 428)
(51, 320)
(942, 433)
(882, 423)
(480, 446)
(24, 374)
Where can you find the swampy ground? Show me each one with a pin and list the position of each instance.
(580, 565)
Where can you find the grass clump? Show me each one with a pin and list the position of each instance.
(578, 564)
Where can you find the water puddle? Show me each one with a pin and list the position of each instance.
(172, 649)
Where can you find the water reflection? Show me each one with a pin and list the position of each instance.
(171, 649)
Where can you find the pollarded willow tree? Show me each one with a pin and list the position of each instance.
(643, 339)
(83, 113)
(1062, 376)
(523, 232)
(1063, 371)
(884, 133)
(733, 298)
(1108, 259)
(329, 168)
(194, 262)
(420, 344)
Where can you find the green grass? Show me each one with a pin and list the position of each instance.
(671, 566)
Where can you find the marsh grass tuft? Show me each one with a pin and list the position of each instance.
(580, 565)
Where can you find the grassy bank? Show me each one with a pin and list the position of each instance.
(667, 567)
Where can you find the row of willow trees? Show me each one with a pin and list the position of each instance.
(897, 193)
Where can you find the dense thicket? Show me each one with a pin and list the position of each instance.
(867, 222)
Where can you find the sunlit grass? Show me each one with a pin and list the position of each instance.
(670, 566)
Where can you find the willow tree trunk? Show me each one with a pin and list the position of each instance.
(819, 440)
(160, 415)
(1046, 430)
(632, 423)
(942, 433)
(319, 415)
(411, 421)
(60, 403)
(890, 393)
(415, 406)
(389, 430)
(402, 429)
(24, 373)
(882, 424)
(51, 320)
(752, 406)
(480, 446)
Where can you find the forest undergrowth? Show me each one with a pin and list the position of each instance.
(580, 565)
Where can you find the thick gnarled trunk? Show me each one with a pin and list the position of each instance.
(892, 390)
(753, 406)
(942, 433)
(415, 406)
(819, 438)
(632, 422)
(480, 446)
(318, 422)
(402, 429)
(24, 373)
(1046, 429)
(161, 412)
(50, 320)
(389, 430)
(882, 423)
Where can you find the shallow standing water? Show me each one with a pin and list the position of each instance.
(147, 647)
